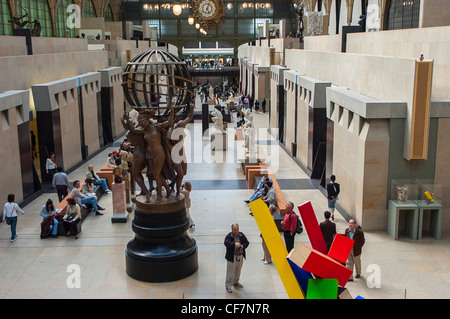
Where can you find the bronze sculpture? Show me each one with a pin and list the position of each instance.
(157, 86)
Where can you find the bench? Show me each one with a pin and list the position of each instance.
(62, 207)
(252, 169)
(264, 171)
(106, 168)
(106, 172)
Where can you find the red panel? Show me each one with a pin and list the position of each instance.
(340, 248)
(312, 227)
(323, 266)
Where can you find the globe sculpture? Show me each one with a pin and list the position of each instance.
(158, 87)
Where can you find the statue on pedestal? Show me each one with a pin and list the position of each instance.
(249, 134)
(299, 10)
(157, 87)
(217, 119)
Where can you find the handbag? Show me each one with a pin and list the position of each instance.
(8, 220)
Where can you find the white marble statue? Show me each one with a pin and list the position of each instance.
(249, 134)
(217, 119)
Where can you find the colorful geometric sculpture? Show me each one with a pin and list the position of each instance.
(302, 276)
(320, 265)
(312, 227)
(322, 289)
(340, 248)
(277, 249)
(429, 198)
(343, 293)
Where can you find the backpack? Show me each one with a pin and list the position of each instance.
(299, 228)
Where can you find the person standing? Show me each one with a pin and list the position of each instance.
(328, 229)
(60, 181)
(354, 259)
(186, 191)
(10, 211)
(256, 106)
(235, 243)
(33, 144)
(333, 190)
(267, 258)
(289, 224)
(263, 105)
(50, 165)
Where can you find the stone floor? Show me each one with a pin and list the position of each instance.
(35, 268)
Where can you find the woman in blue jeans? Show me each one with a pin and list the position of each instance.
(10, 211)
(48, 210)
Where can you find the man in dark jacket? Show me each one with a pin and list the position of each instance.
(235, 243)
(354, 259)
(333, 190)
(328, 229)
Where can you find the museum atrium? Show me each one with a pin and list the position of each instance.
(358, 89)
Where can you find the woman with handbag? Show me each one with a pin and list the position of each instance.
(48, 212)
(10, 211)
(72, 218)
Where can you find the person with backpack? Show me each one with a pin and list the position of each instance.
(289, 225)
(333, 190)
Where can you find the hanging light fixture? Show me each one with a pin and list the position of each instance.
(197, 25)
(191, 20)
(177, 9)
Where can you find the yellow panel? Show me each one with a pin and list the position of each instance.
(276, 248)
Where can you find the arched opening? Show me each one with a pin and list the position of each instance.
(37, 9)
(62, 15)
(89, 10)
(109, 17)
(5, 17)
(403, 14)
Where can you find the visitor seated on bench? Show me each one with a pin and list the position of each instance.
(49, 211)
(83, 200)
(111, 160)
(261, 189)
(87, 188)
(72, 218)
(96, 179)
(271, 197)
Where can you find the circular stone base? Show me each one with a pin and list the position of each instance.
(162, 250)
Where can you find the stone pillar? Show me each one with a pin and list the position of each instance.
(120, 213)
(283, 28)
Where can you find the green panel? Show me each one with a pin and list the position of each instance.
(322, 289)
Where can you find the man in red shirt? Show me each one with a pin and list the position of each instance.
(289, 224)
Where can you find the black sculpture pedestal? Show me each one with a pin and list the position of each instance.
(162, 250)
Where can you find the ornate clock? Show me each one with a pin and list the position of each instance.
(210, 13)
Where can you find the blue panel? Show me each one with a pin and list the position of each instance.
(301, 275)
